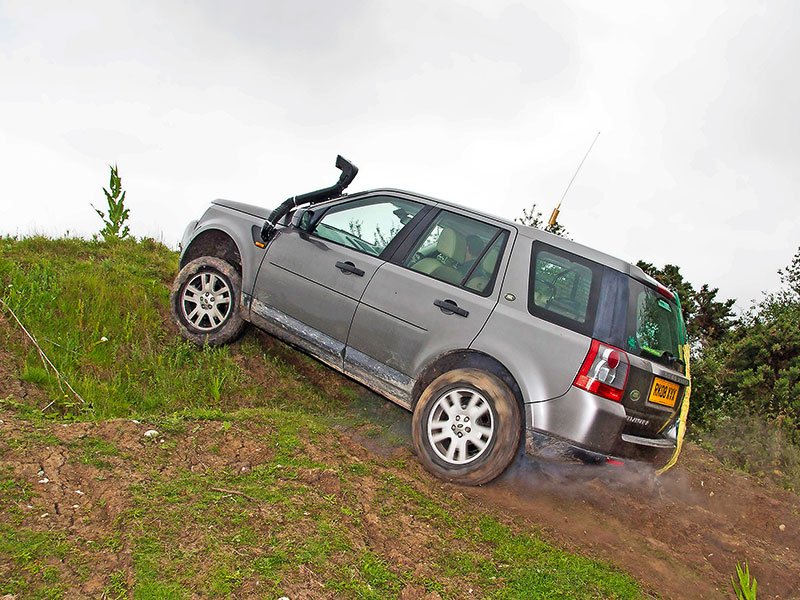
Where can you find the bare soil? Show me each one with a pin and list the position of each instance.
(680, 535)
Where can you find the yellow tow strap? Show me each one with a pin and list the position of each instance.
(683, 417)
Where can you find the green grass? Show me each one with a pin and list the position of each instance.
(307, 512)
(31, 554)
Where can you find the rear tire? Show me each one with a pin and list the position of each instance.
(206, 302)
(467, 426)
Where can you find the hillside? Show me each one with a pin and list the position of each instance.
(271, 475)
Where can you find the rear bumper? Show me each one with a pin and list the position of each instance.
(582, 422)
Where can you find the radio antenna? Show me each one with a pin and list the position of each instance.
(557, 209)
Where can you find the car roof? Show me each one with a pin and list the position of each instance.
(528, 232)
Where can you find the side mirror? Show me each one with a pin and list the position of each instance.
(306, 219)
(301, 219)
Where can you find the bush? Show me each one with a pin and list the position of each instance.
(754, 444)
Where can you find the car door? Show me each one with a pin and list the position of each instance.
(431, 298)
(312, 277)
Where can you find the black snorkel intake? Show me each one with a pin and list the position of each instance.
(349, 172)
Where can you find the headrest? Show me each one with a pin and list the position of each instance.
(452, 244)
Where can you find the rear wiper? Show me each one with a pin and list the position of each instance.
(666, 356)
(672, 359)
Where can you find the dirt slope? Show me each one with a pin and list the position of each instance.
(680, 535)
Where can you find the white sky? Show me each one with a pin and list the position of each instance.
(490, 104)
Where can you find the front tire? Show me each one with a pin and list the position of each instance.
(467, 426)
(205, 302)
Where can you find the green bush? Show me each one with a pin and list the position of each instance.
(755, 368)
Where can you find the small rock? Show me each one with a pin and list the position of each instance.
(44, 480)
(80, 493)
(76, 506)
(45, 515)
(151, 433)
(29, 505)
(710, 493)
(41, 472)
(284, 598)
(782, 527)
(135, 421)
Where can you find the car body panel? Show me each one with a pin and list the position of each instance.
(398, 305)
(546, 358)
(299, 278)
(237, 224)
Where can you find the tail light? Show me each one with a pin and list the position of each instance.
(604, 372)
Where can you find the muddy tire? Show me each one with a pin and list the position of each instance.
(205, 302)
(467, 426)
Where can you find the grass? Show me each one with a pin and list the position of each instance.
(254, 491)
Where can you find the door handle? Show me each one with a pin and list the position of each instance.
(348, 267)
(450, 307)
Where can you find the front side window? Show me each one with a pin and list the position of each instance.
(459, 250)
(366, 225)
(563, 288)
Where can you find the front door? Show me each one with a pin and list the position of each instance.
(310, 282)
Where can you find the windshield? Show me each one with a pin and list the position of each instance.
(653, 328)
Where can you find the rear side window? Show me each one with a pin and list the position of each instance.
(461, 251)
(563, 288)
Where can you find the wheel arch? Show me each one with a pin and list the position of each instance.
(460, 359)
(213, 242)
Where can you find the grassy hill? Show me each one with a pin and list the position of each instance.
(258, 482)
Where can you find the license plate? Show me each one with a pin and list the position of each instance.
(664, 392)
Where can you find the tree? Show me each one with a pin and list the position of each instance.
(712, 319)
(756, 367)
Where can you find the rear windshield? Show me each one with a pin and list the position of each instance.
(605, 304)
(637, 318)
(652, 329)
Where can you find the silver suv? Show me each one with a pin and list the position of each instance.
(491, 333)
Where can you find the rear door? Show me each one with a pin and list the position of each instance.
(434, 295)
(310, 282)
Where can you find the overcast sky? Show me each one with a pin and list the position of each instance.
(489, 104)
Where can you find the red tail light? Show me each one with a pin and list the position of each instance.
(604, 372)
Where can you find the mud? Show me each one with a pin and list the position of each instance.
(680, 534)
